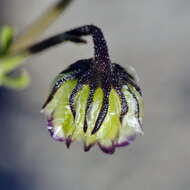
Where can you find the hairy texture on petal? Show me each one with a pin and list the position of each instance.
(122, 76)
(124, 106)
(130, 124)
(121, 71)
(89, 101)
(92, 116)
(80, 105)
(137, 111)
(103, 111)
(72, 72)
(60, 79)
(109, 130)
(111, 124)
(133, 83)
(72, 97)
(140, 102)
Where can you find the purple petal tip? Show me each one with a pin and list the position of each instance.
(87, 148)
(107, 150)
(127, 142)
(50, 129)
(68, 142)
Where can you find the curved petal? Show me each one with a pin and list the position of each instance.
(80, 106)
(59, 111)
(130, 124)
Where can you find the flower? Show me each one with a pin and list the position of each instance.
(94, 100)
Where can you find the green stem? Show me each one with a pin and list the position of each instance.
(33, 32)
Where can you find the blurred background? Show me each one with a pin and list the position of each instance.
(150, 35)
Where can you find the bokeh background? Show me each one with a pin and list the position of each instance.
(150, 35)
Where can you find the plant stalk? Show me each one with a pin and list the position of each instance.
(32, 33)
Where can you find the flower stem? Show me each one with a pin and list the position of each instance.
(51, 42)
(101, 54)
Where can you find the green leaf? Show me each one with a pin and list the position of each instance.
(6, 37)
(16, 82)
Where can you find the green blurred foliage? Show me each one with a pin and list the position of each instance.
(9, 62)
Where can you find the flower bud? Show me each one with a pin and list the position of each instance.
(95, 101)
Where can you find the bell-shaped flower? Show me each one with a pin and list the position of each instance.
(94, 100)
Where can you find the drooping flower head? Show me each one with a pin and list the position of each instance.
(94, 100)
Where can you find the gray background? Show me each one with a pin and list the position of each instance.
(152, 36)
